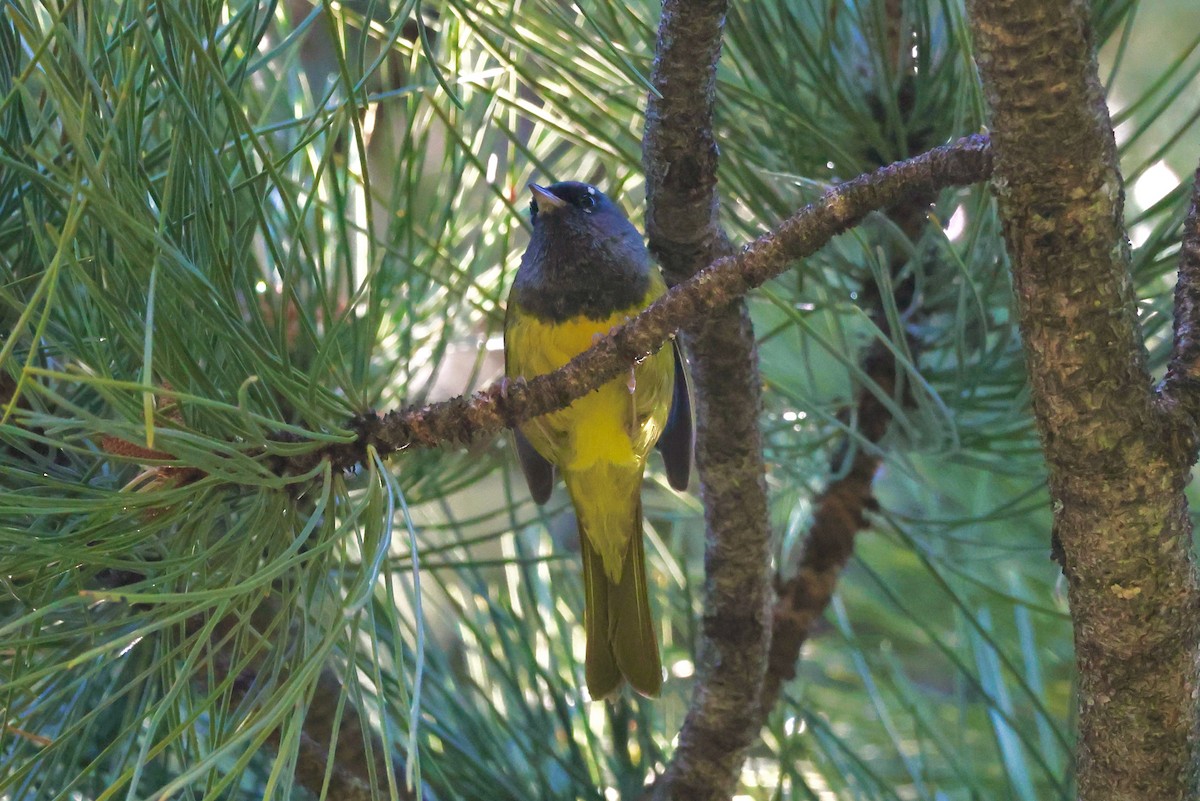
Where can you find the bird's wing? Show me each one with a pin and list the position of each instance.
(539, 473)
(678, 436)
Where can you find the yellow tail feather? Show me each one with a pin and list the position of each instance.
(620, 632)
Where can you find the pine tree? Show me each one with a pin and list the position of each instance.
(233, 235)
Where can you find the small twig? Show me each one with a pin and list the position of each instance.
(354, 763)
(351, 774)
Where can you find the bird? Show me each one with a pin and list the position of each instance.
(586, 271)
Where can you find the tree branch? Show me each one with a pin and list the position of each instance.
(1116, 469)
(839, 209)
(461, 419)
(840, 511)
(679, 149)
(839, 515)
(679, 155)
(726, 711)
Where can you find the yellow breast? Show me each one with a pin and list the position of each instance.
(616, 424)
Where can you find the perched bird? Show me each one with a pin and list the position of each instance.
(586, 271)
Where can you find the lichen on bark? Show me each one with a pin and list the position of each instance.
(1116, 470)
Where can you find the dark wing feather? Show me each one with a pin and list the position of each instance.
(678, 439)
(539, 473)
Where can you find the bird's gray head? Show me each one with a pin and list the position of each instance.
(584, 258)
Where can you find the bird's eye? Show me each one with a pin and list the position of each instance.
(532, 210)
(587, 202)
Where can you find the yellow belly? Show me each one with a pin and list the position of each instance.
(616, 424)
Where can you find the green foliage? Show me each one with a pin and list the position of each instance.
(225, 221)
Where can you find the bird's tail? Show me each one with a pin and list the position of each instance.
(620, 633)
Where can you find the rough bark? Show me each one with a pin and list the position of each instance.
(1117, 464)
(1182, 384)
(679, 154)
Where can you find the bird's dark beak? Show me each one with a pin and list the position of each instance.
(547, 201)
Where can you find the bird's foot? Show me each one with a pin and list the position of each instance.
(505, 383)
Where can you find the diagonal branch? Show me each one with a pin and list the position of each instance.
(1116, 469)
(840, 512)
(463, 418)
(460, 419)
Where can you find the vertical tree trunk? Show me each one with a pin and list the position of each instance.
(682, 223)
(1117, 462)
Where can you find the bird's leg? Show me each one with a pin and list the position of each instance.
(506, 382)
